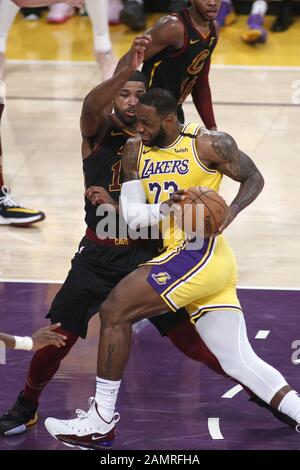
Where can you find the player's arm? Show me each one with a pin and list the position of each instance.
(44, 337)
(202, 98)
(201, 93)
(167, 32)
(99, 196)
(94, 110)
(129, 160)
(44, 3)
(222, 153)
(135, 209)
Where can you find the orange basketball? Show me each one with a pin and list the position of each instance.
(212, 212)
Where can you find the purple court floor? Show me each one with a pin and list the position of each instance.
(167, 401)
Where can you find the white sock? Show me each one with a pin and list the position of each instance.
(102, 43)
(8, 11)
(290, 405)
(2, 92)
(106, 396)
(259, 7)
(98, 14)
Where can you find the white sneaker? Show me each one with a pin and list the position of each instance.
(88, 431)
(114, 10)
(107, 63)
(60, 13)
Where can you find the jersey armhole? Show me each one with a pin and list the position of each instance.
(185, 39)
(138, 163)
(197, 158)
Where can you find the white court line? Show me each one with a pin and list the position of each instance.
(59, 281)
(270, 68)
(33, 281)
(84, 63)
(52, 62)
(262, 334)
(214, 428)
(268, 288)
(233, 391)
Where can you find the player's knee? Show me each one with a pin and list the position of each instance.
(110, 313)
(235, 364)
(228, 357)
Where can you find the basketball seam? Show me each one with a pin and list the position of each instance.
(214, 200)
(204, 193)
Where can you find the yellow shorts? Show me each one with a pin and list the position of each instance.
(199, 280)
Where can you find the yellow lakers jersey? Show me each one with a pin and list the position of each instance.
(165, 170)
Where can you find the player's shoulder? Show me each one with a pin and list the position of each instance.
(213, 143)
(134, 140)
(169, 22)
(212, 135)
(133, 144)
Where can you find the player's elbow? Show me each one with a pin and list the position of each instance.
(256, 181)
(89, 124)
(260, 182)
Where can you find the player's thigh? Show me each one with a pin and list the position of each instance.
(133, 298)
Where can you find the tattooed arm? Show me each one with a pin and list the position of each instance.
(221, 152)
(130, 155)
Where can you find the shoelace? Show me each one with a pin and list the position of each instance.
(85, 414)
(6, 200)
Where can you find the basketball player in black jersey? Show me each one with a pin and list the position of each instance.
(178, 56)
(99, 265)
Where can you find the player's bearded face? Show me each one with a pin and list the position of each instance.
(150, 126)
(126, 116)
(126, 101)
(159, 139)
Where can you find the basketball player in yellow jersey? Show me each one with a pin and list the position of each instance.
(165, 158)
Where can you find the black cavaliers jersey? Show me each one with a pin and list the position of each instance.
(177, 70)
(103, 168)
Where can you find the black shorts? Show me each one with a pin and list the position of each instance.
(166, 322)
(95, 271)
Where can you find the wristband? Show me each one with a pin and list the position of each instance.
(23, 342)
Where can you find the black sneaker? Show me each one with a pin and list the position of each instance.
(276, 413)
(284, 19)
(32, 14)
(133, 16)
(13, 214)
(18, 418)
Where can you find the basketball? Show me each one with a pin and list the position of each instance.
(213, 212)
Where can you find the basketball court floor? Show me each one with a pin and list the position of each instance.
(167, 401)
